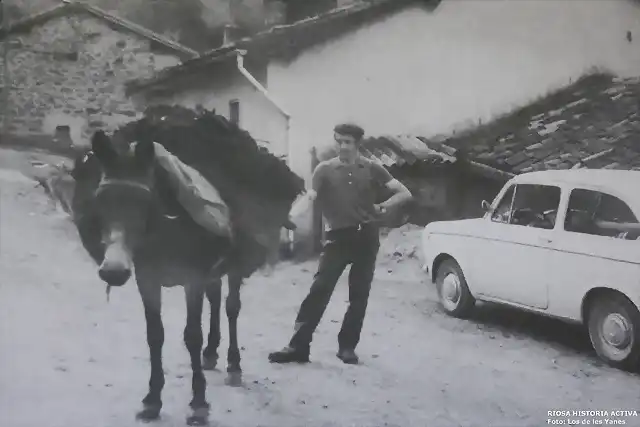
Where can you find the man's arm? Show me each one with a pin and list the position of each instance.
(401, 193)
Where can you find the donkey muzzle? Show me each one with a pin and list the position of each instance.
(116, 268)
(115, 276)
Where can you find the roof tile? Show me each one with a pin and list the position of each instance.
(535, 146)
(517, 159)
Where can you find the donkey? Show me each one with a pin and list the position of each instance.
(128, 219)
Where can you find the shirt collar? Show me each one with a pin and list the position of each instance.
(360, 161)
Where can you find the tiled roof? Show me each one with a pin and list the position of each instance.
(68, 7)
(289, 40)
(592, 123)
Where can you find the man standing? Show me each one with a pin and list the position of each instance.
(345, 188)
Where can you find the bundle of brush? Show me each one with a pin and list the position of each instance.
(258, 187)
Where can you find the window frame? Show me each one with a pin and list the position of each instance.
(499, 202)
(601, 191)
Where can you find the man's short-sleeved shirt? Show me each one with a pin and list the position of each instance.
(347, 192)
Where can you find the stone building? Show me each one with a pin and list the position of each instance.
(65, 70)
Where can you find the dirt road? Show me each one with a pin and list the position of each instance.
(70, 359)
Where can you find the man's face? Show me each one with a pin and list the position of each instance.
(347, 145)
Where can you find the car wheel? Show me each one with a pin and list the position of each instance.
(614, 329)
(453, 291)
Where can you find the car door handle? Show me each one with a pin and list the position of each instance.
(545, 240)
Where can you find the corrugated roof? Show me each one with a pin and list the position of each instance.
(68, 7)
(400, 151)
(592, 123)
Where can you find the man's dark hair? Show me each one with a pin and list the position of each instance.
(349, 129)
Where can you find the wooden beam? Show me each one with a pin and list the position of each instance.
(490, 172)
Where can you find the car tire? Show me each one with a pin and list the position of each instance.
(453, 292)
(614, 330)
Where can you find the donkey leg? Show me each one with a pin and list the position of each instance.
(233, 304)
(151, 300)
(193, 341)
(210, 354)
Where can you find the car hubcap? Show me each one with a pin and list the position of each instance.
(451, 291)
(616, 334)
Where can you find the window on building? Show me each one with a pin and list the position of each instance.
(601, 214)
(234, 111)
(529, 205)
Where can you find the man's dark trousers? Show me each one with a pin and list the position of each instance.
(357, 246)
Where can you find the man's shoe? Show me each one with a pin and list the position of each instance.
(289, 355)
(348, 356)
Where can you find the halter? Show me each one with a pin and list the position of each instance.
(119, 182)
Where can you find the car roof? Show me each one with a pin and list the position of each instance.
(614, 178)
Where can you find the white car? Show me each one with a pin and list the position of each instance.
(562, 243)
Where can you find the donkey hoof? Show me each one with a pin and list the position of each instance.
(209, 363)
(234, 379)
(199, 417)
(149, 413)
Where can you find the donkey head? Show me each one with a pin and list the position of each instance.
(124, 198)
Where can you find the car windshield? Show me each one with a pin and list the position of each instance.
(529, 205)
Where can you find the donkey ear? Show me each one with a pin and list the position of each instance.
(102, 147)
(145, 152)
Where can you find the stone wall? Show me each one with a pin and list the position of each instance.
(70, 72)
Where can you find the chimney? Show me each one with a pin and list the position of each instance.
(232, 33)
(275, 13)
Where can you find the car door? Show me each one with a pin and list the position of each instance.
(591, 255)
(518, 245)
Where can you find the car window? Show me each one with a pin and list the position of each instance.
(529, 205)
(601, 214)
